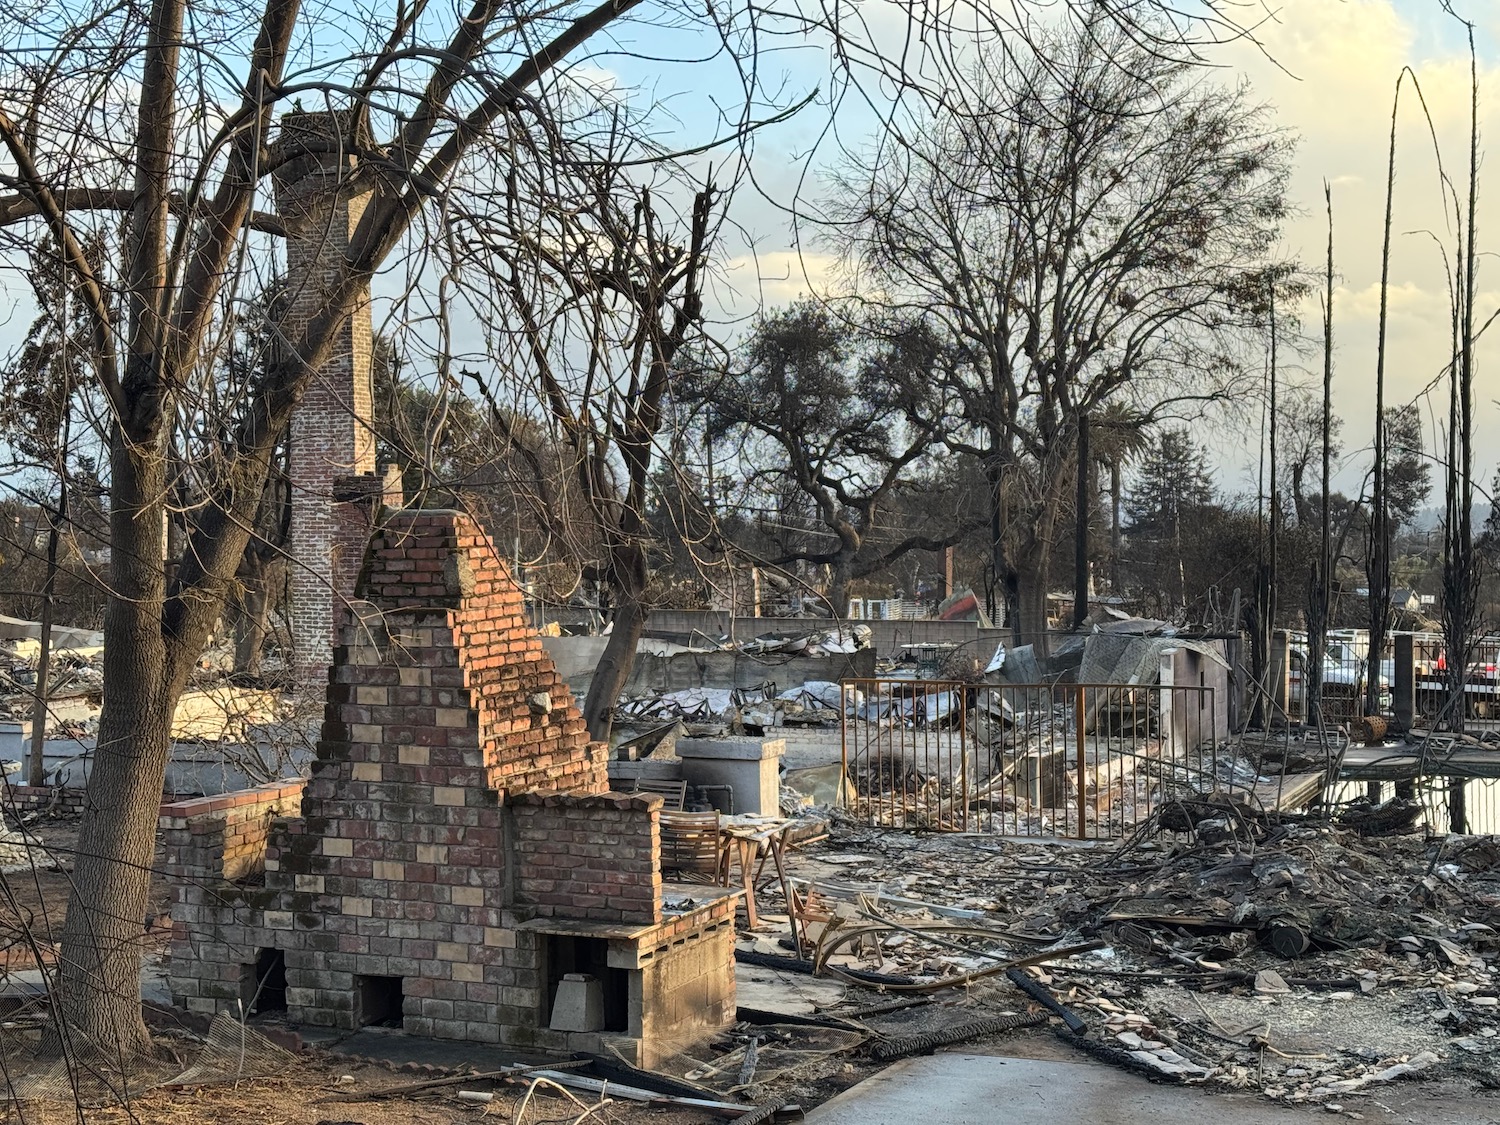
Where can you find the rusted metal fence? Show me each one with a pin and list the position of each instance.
(1088, 761)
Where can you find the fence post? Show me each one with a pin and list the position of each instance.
(1281, 672)
(1458, 820)
(846, 694)
(1404, 682)
(1081, 785)
(963, 744)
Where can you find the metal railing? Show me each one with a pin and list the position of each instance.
(1346, 671)
(1087, 761)
(1347, 668)
(1481, 691)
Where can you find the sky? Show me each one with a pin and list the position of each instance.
(1336, 64)
(1328, 69)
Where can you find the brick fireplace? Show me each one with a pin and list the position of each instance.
(458, 852)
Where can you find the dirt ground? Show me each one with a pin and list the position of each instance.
(33, 902)
(322, 1092)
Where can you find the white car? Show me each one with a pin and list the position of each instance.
(1343, 676)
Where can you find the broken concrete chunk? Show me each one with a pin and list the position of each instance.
(1176, 1065)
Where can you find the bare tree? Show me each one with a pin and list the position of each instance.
(595, 370)
(1301, 429)
(1090, 224)
(842, 414)
(1462, 562)
(45, 391)
(1320, 579)
(114, 111)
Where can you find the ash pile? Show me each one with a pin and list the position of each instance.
(1292, 957)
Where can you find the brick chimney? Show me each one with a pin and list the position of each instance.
(458, 856)
(336, 495)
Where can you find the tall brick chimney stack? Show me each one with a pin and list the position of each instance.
(336, 494)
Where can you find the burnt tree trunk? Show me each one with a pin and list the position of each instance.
(36, 773)
(260, 579)
(1032, 574)
(1115, 538)
(628, 626)
(841, 575)
(1081, 528)
(102, 941)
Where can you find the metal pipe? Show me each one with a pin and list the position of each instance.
(1078, 711)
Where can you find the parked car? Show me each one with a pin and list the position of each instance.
(1344, 676)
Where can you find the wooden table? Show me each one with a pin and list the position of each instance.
(749, 839)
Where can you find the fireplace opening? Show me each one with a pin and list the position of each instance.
(567, 953)
(378, 1001)
(269, 994)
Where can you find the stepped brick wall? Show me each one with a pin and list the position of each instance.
(437, 576)
(588, 857)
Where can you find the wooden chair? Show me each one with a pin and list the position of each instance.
(691, 848)
(673, 793)
(810, 914)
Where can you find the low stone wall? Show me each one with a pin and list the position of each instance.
(223, 838)
(592, 857)
(37, 798)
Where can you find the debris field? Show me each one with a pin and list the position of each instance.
(1286, 956)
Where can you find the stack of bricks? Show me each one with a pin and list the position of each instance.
(589, 857)
(43, 798)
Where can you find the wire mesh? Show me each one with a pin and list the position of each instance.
(230, 1052)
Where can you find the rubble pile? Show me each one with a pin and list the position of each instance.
(973, 761)
(75, 690)
(15, 855)
(839, 640)
(1296, 958)
(817, 703)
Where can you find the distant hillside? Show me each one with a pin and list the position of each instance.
(1430, 519)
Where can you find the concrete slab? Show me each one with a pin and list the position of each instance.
(962, 1089)
(791, 993)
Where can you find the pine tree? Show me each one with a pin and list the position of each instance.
(1408, 473)
(1171, 484)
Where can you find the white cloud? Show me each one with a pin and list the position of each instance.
(767, 278)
